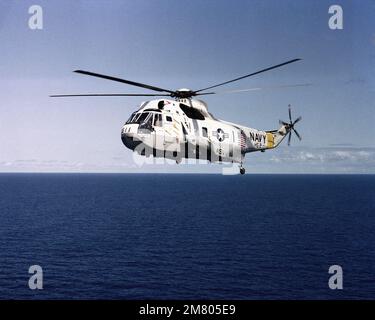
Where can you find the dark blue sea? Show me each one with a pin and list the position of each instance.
(131, 236)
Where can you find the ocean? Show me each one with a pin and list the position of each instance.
(170, 236)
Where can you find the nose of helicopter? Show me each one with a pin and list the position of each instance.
(129, 139)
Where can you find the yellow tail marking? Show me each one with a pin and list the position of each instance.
(270, 140)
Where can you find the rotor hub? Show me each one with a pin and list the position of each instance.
(183, 93)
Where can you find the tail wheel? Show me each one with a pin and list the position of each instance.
(242, 170)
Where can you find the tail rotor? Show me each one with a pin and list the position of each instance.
(290, 126)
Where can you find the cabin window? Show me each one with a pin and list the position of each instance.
(169, 119)
(191, 112)
(204, 132)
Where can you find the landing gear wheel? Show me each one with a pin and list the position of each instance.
(242, 170)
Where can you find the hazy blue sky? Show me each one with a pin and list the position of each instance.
(190, 44)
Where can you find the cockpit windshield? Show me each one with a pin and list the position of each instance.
(137, 118)
(132, 118)
(145, 125)
(146, 119)
(142, 117)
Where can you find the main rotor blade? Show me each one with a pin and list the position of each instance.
(109, 95)
(249, 75)
(203, 93)
(289, 137)
(297, 134)
(132, 83)
(256, 89)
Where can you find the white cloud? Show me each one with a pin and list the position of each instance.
(331, 159)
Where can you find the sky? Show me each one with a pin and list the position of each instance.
(193, 44)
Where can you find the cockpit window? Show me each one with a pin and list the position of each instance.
(131, 118)
(158, 120)
(146, 124)
(139, 118)
(142, 117)
(134, 118)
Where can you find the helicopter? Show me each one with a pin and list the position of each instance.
(177, 125)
